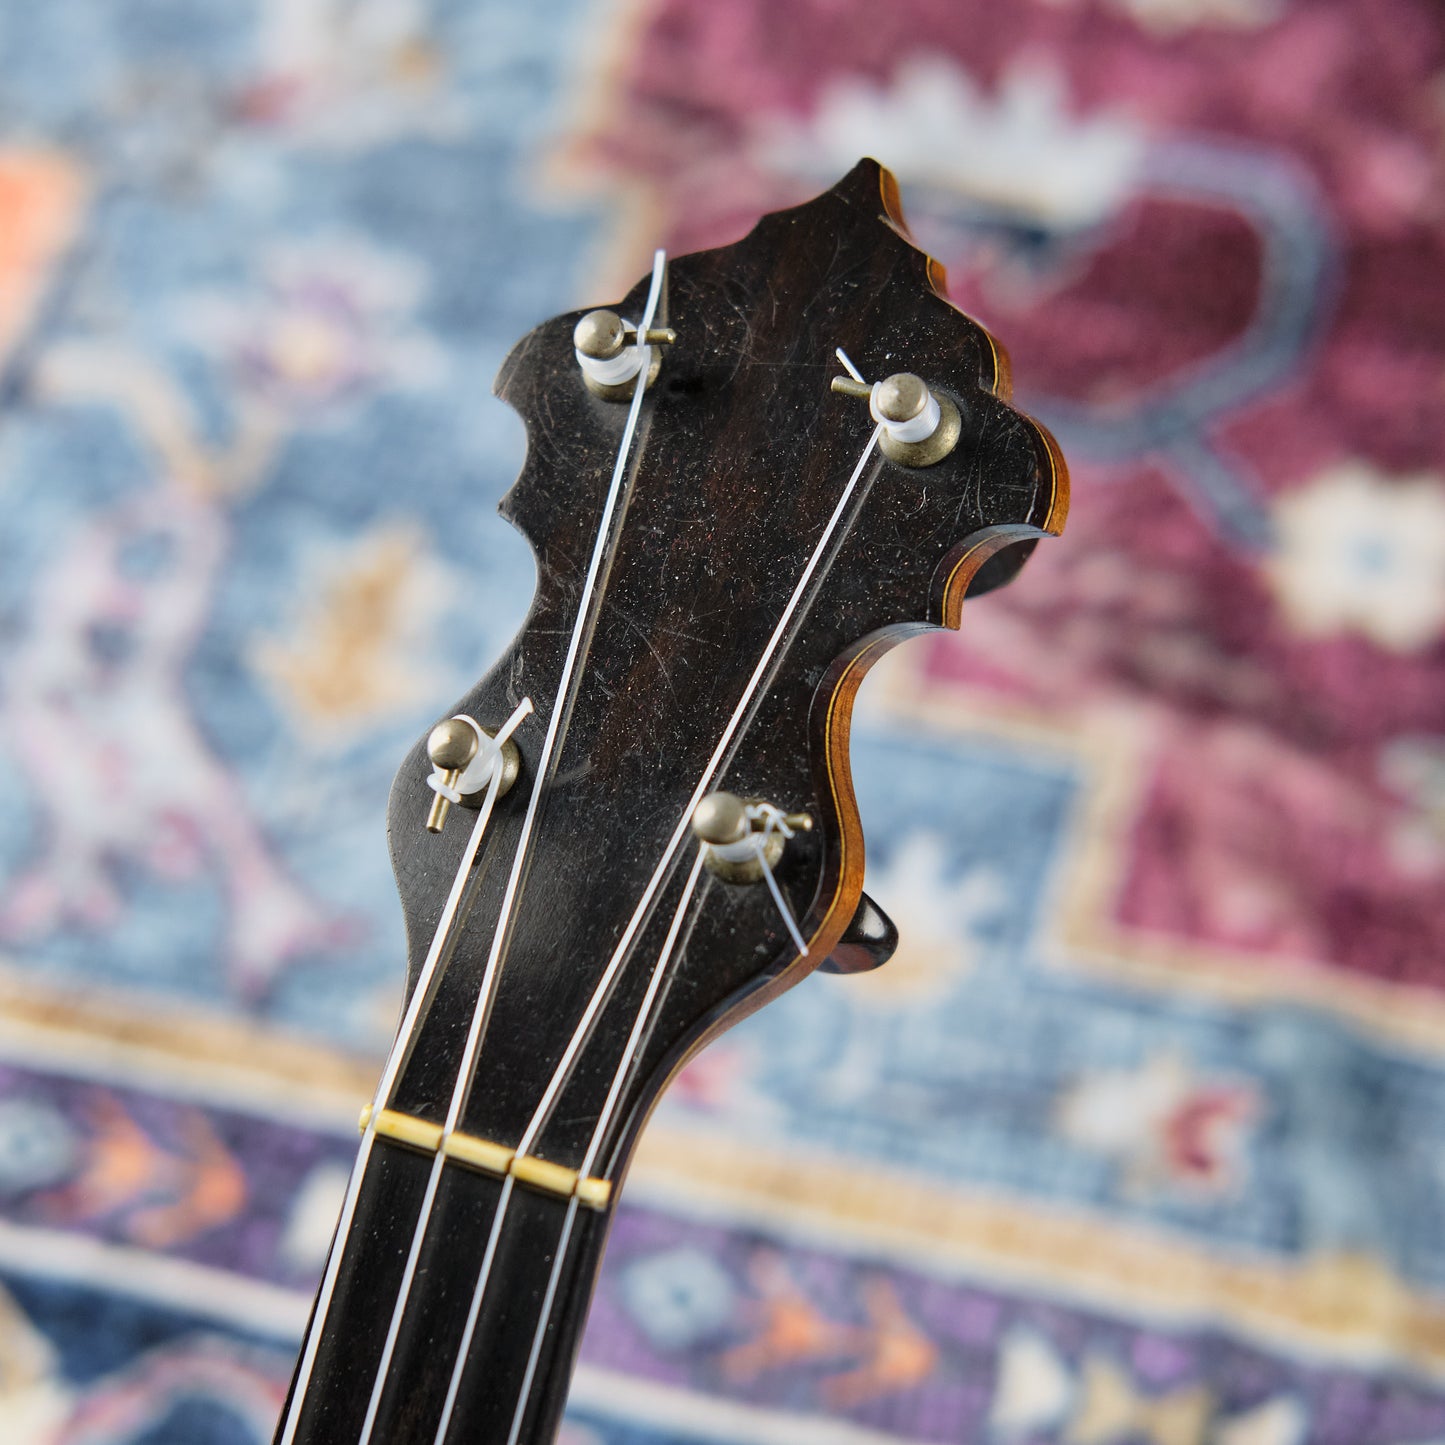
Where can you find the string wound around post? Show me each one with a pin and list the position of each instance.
(920, 426)
(612, 354)
(744, 838)
(743, 841)
(463, 756)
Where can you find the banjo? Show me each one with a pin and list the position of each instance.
(744, 483)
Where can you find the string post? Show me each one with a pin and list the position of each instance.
(599, 335)
(612, 353)
(900, 399)
(919, 426)
(743, 842)
(451, 746)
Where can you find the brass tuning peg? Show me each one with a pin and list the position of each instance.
(610, 358)
(920, 426)
(738, 839)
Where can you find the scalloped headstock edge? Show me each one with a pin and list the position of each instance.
(986, 558)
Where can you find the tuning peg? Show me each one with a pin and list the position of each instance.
(720, 820)
(869, 940)
(608, 353)
(920, 426)
(742, 837)
(463, 765)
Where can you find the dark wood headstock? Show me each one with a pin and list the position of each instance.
(741, 455)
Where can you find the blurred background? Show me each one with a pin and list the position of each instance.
(1141, 1136)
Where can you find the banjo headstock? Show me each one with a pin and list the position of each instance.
(705, 611)
(640, 825)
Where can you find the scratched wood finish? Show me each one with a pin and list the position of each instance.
(741, 455)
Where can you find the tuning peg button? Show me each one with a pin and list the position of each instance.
(720, 820)
(464, 767)
(868, 941)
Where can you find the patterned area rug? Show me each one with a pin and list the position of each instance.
(1141, 1137)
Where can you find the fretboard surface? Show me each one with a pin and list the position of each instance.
(431, 1332)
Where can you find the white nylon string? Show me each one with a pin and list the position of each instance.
(459, 1364)
(502, 936)
(394, 1060)
(644, 1016)
(547, 1299)
(403, 1293)
(482, 1012)
(505, 1198)
(774, 822)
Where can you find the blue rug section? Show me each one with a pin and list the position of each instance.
(981, 1028)
(97, 1335)
(412, 228)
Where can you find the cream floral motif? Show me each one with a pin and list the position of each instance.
(1413, 768)
(1038, 1391)
(936, 951)
(1362, 552)
(574, 1434)
(312, 1219)
(117, 613)
(334, 320)
(342, 75)
(943, 912)
(1033, 1387)
(34, 1399)
(358, 651)
(1165, 1126)
(1280, 1421)
(1020, 148)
